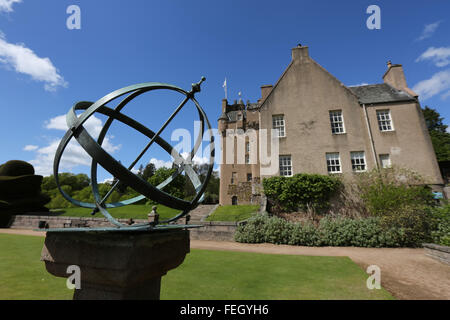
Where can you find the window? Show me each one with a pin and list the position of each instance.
(234, 201)
(247, 146)
(358, 161)
(337, 122)
(247, 159)
(333, 163)
(285, 166)
(233, 177)
(239, 117)
(278, 124)
(249, 177)
(385, 160)
(384, 120)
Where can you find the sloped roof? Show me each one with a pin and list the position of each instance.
(380, 93)
(232, 115)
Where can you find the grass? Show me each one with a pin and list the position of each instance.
(131, 211)
(233, 213)
(222, 275)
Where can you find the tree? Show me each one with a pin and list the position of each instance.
(438, 133)
(174, 188)
(148, 171)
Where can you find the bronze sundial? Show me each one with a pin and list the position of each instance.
(124, 174)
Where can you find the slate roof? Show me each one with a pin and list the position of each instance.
(380, 93)
(232, 115)
(251, 106)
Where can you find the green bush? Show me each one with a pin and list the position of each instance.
(393, 190)
(253, 231)
(401, 198)
(367, 232)
(290, 194)
(304, 235)
(441, 225)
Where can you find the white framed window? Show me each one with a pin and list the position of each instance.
(285, 166)
(279, 125)
(337, 122)
(358, 161)
(333, 162)
(385, 161)
(385, 120)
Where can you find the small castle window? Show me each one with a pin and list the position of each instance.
(333, 163)
(358, 161)
(285, 166)
(337, 122)
(385, 161)
(279, 125)
(384, 120)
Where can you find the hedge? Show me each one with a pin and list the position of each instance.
(365, 232)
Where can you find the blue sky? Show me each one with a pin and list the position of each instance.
(45, 67)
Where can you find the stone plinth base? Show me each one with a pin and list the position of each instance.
(116, 265)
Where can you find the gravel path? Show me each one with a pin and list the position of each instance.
(406, 273)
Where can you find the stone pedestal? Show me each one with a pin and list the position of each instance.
(116, 265)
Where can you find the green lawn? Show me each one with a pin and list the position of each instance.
(233, 213)
(204, 274)
(131, 211)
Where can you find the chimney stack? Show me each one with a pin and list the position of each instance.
(395, 76)
(224, 105)
(300, 53)
(265, 91)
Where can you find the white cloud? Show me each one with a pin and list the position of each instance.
(437, 84)
(439, 56)
(359, 84)
(6, 5)
(93, 125)
(74, 155)
(161, 163)
(196, 160)
(429, 30)
(30, 148)
(24, 60)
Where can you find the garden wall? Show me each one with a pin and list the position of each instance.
(441, 253)
(213, 231)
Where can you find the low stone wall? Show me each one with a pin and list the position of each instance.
(37, 221)
(213, 231)
(441, 253)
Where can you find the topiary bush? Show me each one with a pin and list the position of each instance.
(288, 194)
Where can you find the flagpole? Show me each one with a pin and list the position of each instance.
(225, 87)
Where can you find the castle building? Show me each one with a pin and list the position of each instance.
(322, 126)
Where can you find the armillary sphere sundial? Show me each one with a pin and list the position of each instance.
(124, 174)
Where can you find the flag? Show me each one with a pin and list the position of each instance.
(225, 87)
